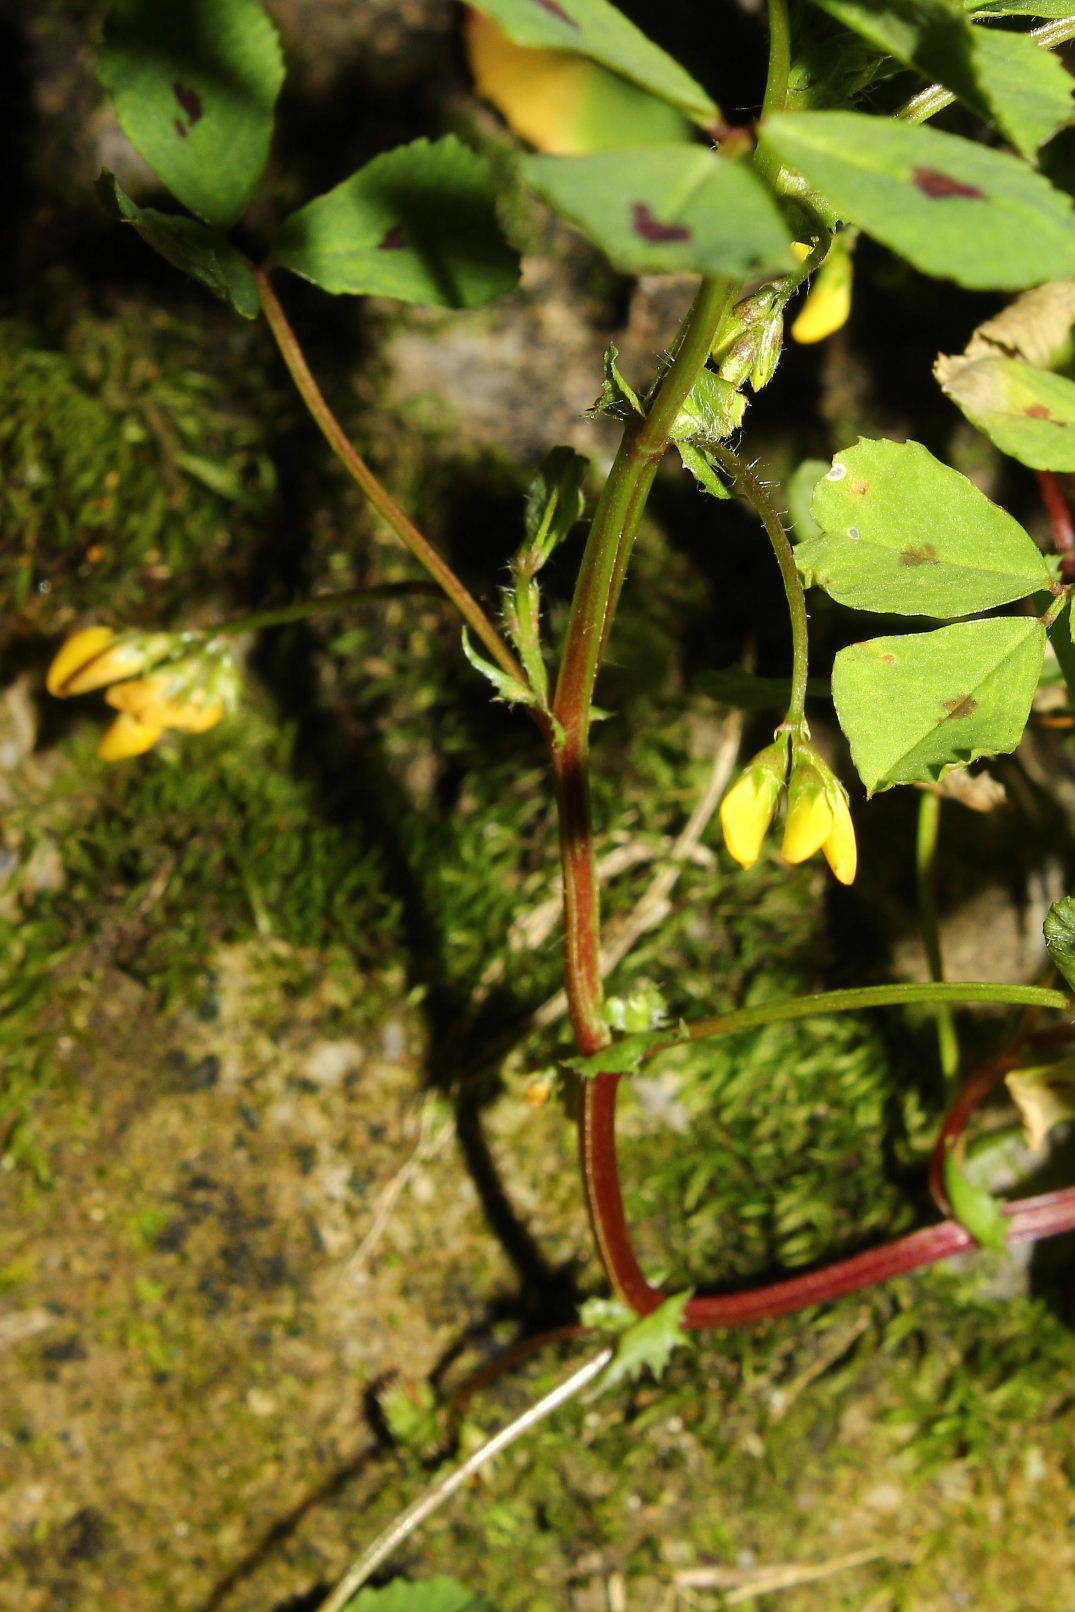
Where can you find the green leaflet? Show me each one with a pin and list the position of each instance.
(973, 1205)
(953, 209)
(596, 29)
(1020, 8)
(195, 83)
(554, 502)
(198, 250)
(1060, 937)
(915, 706)
(438, 1594)
(667, 209)
(1003, 77)
(648, 1345)
(902, 532)
(1028, 412)
(417, 223)
(1027, 88)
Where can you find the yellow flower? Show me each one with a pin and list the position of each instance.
(747, 809)
(819, 818)
(170, 698)
(809, 821)
(840, 848)
(96, 656)
(829, 303)
(127, 737)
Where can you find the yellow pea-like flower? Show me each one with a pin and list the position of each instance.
(96, 656)
(747, 809)
(827, 307)
(810, 818)
(841, 848)
(127, 737)
(168, 698)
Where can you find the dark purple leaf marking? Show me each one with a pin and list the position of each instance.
(651, 229)
(394, 239)
(180, 128)
(924, 554)
(190, 101)
(557, 11)
(933, 183)
(962, 705)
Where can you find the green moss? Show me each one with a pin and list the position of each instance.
(132, 471)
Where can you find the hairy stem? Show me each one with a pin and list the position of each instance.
(379, 497)
(758, 497)
(604, 565)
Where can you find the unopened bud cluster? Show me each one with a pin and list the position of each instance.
(818, 816)
(748, 343)
(155, 681)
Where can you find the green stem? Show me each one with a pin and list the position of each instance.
(321, 604)
(934, 98)
(929, 819)
(871, 996)
(379, 497)
(776, 83)
(755, 492)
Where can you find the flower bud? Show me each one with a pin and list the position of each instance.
(739, 357)
(770, 343)
(127, 737)
(747, 809)
(97, 656)
(809, 821)
(746, 314)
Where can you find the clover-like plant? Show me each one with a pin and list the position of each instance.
(844, 146)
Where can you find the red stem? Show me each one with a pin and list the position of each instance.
(971, 1095)
(1060, 508)
(1029, 1219)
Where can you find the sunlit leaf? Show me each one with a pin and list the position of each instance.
(670, 209)
(1029, 413)
(649, 1344)
(902, 532)
(438, 1594)
(1003, 77)
(600, 31)
(952, 208)
(563, 103)
(915, 706)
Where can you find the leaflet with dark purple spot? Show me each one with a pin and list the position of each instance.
(651, 228)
